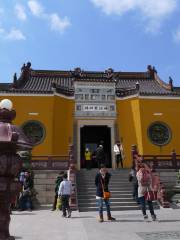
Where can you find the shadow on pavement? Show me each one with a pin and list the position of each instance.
(170, 220)
(83, 217)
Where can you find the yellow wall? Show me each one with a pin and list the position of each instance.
(35, 104)
(55, 113)
(62, 124)
(136, 115)
(170, 109)
(129, 126)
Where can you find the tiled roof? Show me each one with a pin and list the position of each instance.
(127, 83)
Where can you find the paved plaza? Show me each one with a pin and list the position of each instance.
(44, 225)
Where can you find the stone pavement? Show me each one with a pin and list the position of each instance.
(45, 225)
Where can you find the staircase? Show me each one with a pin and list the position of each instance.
(120, 188)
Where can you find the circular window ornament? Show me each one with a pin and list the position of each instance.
(35, 131)
(159, 133)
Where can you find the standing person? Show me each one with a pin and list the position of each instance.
(25, 200)
(118, 156)
(100, 156)
(87, 156)
(102, 181)
(144, 184)
(59, 179)
(119, 153)
(65, 191)
(133, 179)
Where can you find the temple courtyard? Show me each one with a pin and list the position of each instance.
(129, 225)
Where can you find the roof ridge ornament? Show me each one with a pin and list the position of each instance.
(152, 70)
(109, 73)
(77, 73)
(171, 84)
(137, 86)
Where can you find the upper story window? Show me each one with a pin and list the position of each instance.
(103, 97)
(94, 97)
(79, 96)
(86, 96)
(95, 90)
(110, 97)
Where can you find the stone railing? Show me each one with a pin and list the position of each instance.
(171, 161)
(50, 162)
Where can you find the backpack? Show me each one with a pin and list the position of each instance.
(145, 178)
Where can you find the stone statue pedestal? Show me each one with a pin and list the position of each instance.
(12, 140)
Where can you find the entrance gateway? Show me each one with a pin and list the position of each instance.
(91, 138)
(95, 116)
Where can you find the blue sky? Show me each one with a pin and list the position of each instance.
(125, 35)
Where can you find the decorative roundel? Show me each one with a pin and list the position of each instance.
(159, 133)
(35, 131)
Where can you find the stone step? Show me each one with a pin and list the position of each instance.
(112, 200)
(113, 208)
(122, 195)
(112, 188)
(116, 190)
(80, 196)
(113, 204)
(47, 181)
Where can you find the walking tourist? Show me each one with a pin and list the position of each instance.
(65, 191)
(145, 191)
(100, 156)
(102, 192)
(59, 179)
(87, 156)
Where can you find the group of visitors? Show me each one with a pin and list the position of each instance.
(143, 190)
(141, 173)
(99, 156)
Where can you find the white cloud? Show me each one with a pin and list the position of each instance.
(14, 34)
(20, 12)
(59, 24)
(176, 35)
(153, 11)
(55, 21)
(36, 8)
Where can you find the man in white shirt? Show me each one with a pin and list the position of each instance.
(118, 154)
(65, 191)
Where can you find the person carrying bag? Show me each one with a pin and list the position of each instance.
(145, 191)
(102, 193)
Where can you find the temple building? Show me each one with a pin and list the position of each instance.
(88, 108)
